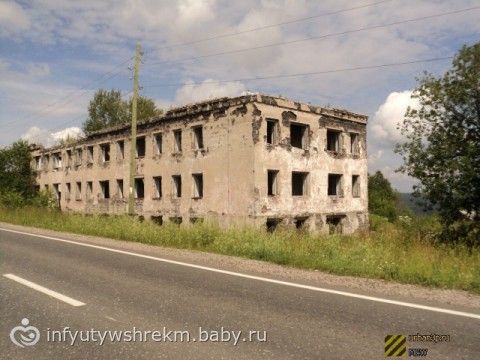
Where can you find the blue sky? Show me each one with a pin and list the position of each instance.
(54, 55)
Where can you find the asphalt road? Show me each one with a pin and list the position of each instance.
(120, 291)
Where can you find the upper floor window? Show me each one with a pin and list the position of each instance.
(140, 144)
(68, 160)
(90, 154)
(335, 184)
(38, 162)
(177, 141)
(105, 152)
(272, 183)
(158, 143)
(57, 160)
(299, 135)
(299, 183)
(355, 185)
(78, 156)
(120, 150)
(198, 137)
(354, 143)
(272, 131)
(333, 140)
(197, 186)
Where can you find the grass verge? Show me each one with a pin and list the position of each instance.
(402, 252)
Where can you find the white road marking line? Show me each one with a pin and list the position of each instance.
(44, 290)
(260, 278)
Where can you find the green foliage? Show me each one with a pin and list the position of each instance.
(11, 199)
(377, 222)
(146, 108)
(383, 200)
(442, 149)
(401, 252)
(107, 108)
(16, 174)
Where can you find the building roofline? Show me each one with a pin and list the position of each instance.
(219, 104)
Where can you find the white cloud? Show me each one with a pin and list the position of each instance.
(385, 122)
(208, 89)
(36, 135)
(191, 11)
(383, 134)
(13, 18)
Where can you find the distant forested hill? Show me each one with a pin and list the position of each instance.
(409, 201)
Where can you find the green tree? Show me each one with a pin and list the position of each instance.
(16, 173)
(107, 108)
(146, 108)
(383, 200)
(442, 147)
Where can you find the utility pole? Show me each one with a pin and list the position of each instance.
(133, 141)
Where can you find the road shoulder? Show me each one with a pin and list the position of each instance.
(453, 299)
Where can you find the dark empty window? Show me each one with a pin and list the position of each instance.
(139, 188)
(272, 182)
(105, 189)
(197, 185)
(272, 128)
(176, 220)
(300, 222)
(177, 141)
(334, 223)
(356, 185)
(333, 140)
(158, 144)
(141, 146)
(78, 191)
(90, 154)
(177, 185)
(57, 160)
(69, 189)
(198, 137)
(120, 150)
(68, 160)
(354, 145)
(105, 151)
(120, 188)
(157, 219)
(272, 224)
(157, 187)
(334, 184)
(299, 135)
(89, 189)
(78, 156)
(56, 191)
(299, 183)
(38, 162)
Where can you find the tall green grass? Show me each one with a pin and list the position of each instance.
(404, 252)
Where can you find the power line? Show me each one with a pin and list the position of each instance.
(74, 120)
(320, 37)
(357, 68)
(220, 36)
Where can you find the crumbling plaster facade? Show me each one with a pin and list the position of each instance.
(253, 159)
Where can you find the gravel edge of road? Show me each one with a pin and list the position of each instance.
(365, 286)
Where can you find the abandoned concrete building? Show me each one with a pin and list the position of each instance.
(252, 159)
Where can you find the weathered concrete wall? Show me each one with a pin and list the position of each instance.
(316, 205)
(234, 162)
